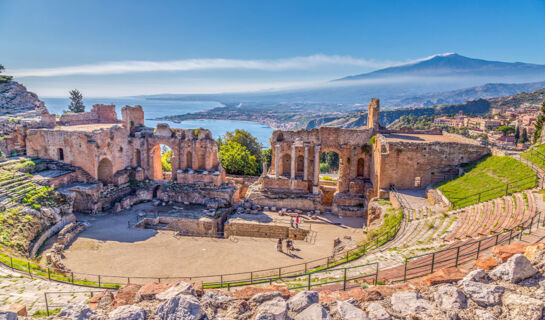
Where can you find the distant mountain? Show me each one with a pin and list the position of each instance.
(410, 85)
(489, 90)
(455, 65)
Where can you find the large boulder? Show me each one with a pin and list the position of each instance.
(128, 313)
(151, 289)
(275, 309)
(302, 300)
(264, 296)
(409, 302)
(181, 307)
(215, 300)
(377, 311)
(127, 295)
(8, 315)
(348, 311)
(448, 297)
(517, 268)
(76, 312)
(179, 288)
(523, 307)
(485, 295)
(478, 275)
(314, 312)
(505, 252)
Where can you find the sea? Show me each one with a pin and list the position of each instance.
(159, 108)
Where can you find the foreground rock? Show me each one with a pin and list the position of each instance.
(514, 289)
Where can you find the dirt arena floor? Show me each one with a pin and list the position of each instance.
(109, 247)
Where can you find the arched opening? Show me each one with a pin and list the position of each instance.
(189, 160)
(329, 176)
(105, 171)
(161, 156)
(60, 154)
(286, 165)
(360, 168)
(280, 137)
(138, 158)
(300, 164)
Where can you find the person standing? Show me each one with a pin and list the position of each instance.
(291, 221)
(297, 222)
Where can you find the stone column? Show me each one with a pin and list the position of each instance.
(292, 161)
(277, 161)
(316, 168)
(305, 173)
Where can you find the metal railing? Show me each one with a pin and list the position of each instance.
(420, 265)
(209, 281)
(49, 306)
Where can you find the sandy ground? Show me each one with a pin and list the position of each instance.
(109, 247)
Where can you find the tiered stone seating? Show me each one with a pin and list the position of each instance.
(493, 216)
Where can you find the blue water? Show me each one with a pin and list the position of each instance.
(159, 108)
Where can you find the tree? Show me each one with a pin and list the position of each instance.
(245, 139)
(507, 130)
(524, 136)
(76, 103)
(166, 161)
(539, 124)
(2, 68)
(517, 134)
(266, 156)
(236, 159)
(332, 160)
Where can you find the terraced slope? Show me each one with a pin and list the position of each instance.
(26, 207)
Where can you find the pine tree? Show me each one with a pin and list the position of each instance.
(524, 137)
(76, 103)
(517, 134)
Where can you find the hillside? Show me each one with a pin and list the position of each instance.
(15, 99)
(489, 90)
(357, 120)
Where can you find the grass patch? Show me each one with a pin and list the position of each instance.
(489, 177)
(536, 155)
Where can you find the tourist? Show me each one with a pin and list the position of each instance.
(297, 222)
(289, 246)
(291, 221)
(279, 244)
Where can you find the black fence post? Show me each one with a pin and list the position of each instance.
(457, 256)
(478, 249)
(405, 271)
(432, 262)
(344, 280)
(46, 304)
(308, 282)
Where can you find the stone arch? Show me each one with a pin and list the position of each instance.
(286, 164)
(105, 171)
(280, 137)
(155, 162)
(300, 164)
(189, 160)
(360, 167)
(60, 154)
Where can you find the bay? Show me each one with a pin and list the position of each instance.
(159, 108)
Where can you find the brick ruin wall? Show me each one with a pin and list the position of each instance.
(100, 113)
(421, 164)
(240, 229)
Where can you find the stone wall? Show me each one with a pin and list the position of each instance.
(100, 113)
(409, 165)
(241, 229)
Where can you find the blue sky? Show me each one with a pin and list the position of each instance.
(115, 48)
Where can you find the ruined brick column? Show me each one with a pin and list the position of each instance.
(305, 173)
(315, 188)
(277, 161)
(292, 171)
(344, 169)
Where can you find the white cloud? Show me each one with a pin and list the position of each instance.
(120, 67)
